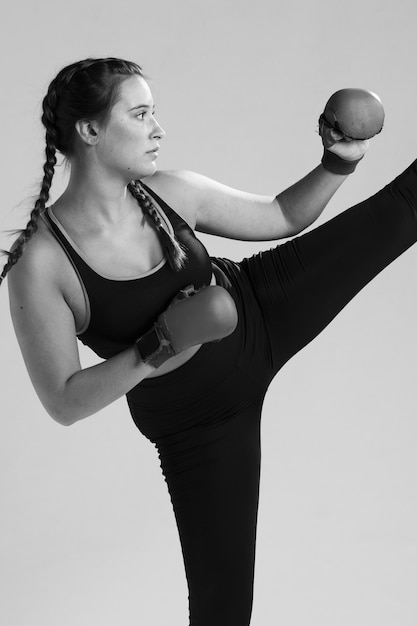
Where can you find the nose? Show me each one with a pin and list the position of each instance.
(158, 132)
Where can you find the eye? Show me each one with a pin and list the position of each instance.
(142, 114)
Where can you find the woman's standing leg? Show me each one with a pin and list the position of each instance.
(212, 473)
(205, 423)
(303, 284)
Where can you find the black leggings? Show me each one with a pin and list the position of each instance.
(204, 417)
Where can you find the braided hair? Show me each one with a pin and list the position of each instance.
(173, 248)
(87, 89)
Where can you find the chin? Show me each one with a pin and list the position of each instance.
(143, 172)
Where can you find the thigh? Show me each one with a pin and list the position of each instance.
(212, 473)
(303, 284)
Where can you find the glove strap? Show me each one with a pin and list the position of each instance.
(335, 164)
(154, 347)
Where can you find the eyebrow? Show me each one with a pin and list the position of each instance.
(142, 106)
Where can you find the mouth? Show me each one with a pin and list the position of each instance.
(155, 150)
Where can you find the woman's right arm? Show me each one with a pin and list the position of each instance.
(45, 329)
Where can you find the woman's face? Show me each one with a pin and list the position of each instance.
(129, 141)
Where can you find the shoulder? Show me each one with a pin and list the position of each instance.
(41, 288)
(37, 267)
(182, 190)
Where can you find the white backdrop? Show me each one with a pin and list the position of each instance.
(87, 533)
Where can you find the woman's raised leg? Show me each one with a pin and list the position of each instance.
(303, 284)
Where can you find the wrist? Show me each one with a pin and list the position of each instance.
(153, 347)
(336, 165)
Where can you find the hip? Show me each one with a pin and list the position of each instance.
(219, 380)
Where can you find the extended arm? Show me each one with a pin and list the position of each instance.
(216, 209)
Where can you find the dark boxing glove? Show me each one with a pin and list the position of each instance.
(353, 114)
(193, 318)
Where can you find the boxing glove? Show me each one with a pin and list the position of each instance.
(355, 113)
(350, 115)
(192, 318)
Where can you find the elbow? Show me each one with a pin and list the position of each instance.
(67, 408)
(60, 413)
(63, 405)
(292, 225)
(64, 421)
(61, 417)
(294, 230)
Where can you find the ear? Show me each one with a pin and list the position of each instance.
(87, 131)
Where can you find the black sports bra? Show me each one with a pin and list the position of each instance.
(120, 310)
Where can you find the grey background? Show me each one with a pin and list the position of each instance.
(87, 533)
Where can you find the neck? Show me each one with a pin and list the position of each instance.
(94, 196)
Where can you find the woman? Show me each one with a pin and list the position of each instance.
(106, 263)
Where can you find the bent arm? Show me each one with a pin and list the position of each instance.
(45, 329)
(91, 389)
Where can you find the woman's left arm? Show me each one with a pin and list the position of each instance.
(221, 210)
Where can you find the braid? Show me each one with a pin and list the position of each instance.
(175, 252)
(49, 167)
(86, 89)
